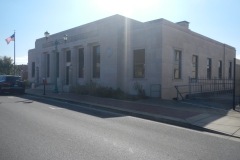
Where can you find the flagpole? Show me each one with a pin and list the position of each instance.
(14, 52)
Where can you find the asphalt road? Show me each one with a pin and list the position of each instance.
(38, 129)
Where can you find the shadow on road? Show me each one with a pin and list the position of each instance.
(193, 115)
(82, 108)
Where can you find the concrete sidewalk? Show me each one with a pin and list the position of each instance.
(215, 120)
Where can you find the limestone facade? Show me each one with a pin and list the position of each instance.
(118, 52)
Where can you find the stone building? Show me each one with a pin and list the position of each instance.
(118, 52)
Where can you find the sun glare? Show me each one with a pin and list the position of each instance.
(124, 7)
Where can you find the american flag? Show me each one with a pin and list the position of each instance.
(11, 38)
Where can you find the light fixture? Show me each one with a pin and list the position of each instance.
(46, 34)
(65, 38)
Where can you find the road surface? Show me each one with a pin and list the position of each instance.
(41, 129)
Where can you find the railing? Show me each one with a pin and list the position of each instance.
(180, 94)
(204, 86)
(236, 90)
(210, 85)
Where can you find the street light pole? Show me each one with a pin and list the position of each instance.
(57, 57)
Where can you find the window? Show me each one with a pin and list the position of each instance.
(220, 69)
(194, 66)
(96, 62)
(48, 65)
(57, 65)
(177, 64)
(139, 63)
(68, 56)
(67, 75)
(81, 62)
(209, 68)
(33, 69)
(230, 70)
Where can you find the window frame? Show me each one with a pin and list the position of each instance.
(195, 66)
(33, 69)
(220, 69)
(209, 68)
(81, 63)
(230, 70)
(177, 65)
(96, 61)
(139, 63)
(68, 56)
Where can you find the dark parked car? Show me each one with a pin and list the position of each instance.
(11, 84)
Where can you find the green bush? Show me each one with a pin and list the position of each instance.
(104, 91)
(80, 89)
(119, 94)
(93, 89)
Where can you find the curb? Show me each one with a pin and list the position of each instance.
(152, 117)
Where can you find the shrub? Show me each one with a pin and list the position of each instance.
(140, 91)
(93, 89)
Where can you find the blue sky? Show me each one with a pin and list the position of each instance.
(219, 20)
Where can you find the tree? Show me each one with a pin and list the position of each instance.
(6, 65)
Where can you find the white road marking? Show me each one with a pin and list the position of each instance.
(10, 97)
(54, 108)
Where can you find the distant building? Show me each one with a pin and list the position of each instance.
(118, 52)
